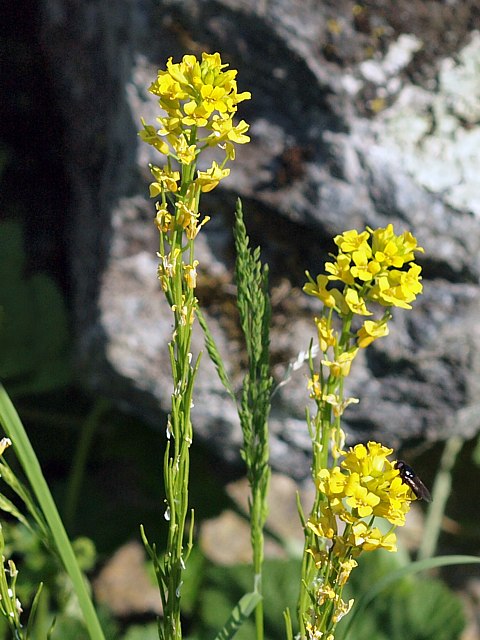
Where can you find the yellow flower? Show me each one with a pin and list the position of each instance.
(213, 98)
(319, 289)
(342, 608)
(364, 269)
(332, 482)
(341, 366)
(371, 330)
(339, 406)
(378, 475)
(204, 86)
(337, 435)
(185, 215)
(326, 335)
(314, 633)
(368, 461)
(392, 250)
(163, 219)
(197, 115)
(208, 180)
(397, 288)
(167, 267)
(171, 126)
(191, 274)
(325, 526)
(340, 269)
(346, 567)
(186, 153)
(350, 241)
(396, 497)
(315, 387)
(151, 137)
(371, 538)
(166, 180)
(184, 313)
(355, 303)
(193, 228)
(319, 557)
(224, 129)
(358, 496)
(170, 83)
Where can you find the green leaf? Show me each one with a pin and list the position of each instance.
(240, 613)
(224, 586)
(33, 611)
(214, 354)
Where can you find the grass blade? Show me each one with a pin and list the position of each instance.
(240, 613)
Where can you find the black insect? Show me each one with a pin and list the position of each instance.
(410, 478)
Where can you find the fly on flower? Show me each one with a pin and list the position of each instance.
(410, 478)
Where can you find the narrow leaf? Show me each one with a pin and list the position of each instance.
(214, 354)
(240, 613)
(33, 611)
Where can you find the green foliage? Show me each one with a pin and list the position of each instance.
(239, 615)
(417, 608)
(476, 453)
(55, 608)
(137, 632)
(223, 586)
(34, 337)
(48, 511)
(215, 356)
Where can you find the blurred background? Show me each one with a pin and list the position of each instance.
(362, 114)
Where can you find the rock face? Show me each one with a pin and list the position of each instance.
(361, 115)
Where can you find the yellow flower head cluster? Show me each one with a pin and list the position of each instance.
(199, 99)
(365, 485)
(375, 265)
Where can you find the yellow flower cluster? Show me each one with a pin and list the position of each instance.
(366, 485)
(199, 99)
(373, 266)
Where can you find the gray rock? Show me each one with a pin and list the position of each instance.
(358, 117)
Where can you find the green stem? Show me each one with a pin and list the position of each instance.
(177, 455)
(77, 473)
(259, 614)
(440, 493)
(31, 467)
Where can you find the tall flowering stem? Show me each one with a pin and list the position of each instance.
(372, 271)
(254, 311)
(198, 99)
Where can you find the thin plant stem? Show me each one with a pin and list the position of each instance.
(77, 473)
(440, 493)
